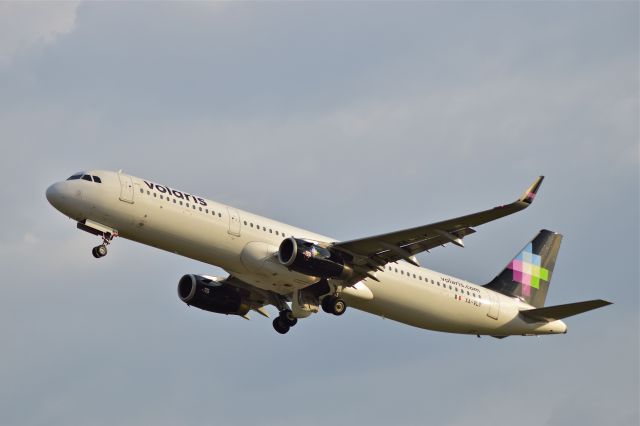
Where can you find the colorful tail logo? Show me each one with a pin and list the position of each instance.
(527, 270)
(534, 264)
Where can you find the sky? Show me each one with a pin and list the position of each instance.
(347, 119)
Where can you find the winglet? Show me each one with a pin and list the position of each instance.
(528, 195)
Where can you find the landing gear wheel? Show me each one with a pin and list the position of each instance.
(99, 251)
(288, 318)
(326, 304)
(333, 305)
(280, 325)
(338, 307)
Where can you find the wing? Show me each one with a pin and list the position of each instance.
(256, 298)
(371, 253)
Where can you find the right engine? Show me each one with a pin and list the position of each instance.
(212, 296)
(307, 257)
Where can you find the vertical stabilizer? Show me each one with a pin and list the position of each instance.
(528, 275)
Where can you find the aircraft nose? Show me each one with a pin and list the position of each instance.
(54, 195)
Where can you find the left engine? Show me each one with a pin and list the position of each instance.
(212, 296)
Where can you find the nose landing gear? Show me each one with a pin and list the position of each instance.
(101, 250)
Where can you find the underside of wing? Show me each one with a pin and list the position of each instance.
(252, 297)
(372, 253)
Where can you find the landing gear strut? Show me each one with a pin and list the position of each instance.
(101, 250)
(333, 305)
(284, 321)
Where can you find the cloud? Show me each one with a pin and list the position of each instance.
(28, 25)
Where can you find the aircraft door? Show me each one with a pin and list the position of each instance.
(126, 188)
(234, 221)
(494, 305)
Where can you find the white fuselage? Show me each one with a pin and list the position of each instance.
(245, 245)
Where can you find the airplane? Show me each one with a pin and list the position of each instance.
(300, 272)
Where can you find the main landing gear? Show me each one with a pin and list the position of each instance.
(101, 250)
(284, 321)
(333, 305)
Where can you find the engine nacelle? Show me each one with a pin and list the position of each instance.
(212, 296)
(309, 258)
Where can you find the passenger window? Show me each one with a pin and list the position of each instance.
(220, 214)
(206, 211)
(86, 177)
(245, 223)
(148, 193)
(174, 201)
(277, 233)
(270, 231)
(141, 191)
(193, 206)
(200, 208)
(252, 224)
(414, 275)
(264, 228)
(161, 197)
(155, 195)
(96, 179)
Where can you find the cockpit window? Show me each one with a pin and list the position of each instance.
(83, 176)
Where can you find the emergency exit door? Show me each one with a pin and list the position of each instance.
(234, 221)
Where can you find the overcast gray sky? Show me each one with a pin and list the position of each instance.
(348, 119)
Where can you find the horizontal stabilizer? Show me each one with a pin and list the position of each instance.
(552, 313)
